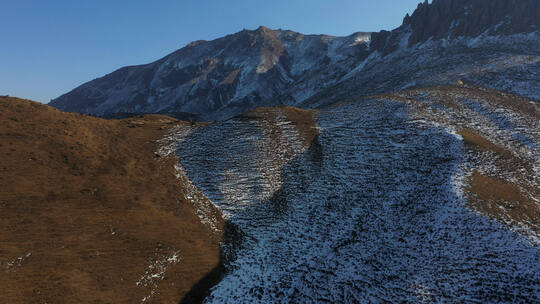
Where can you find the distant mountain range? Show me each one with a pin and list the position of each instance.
(491, 43)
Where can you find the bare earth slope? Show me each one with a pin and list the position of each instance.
(90, 214)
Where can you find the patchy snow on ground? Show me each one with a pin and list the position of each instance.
(156, 271)
(372, 211)
(11, 266)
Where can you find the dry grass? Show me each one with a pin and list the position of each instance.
(305, 121)
(517, 103)
(92, 205)
(507, 161)
(499, 198)
(446, 96)
(480, 143)
(503, 200)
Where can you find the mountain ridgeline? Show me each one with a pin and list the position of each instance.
(219, 79)
(456, 18)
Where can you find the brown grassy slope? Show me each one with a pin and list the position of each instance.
(478, 142)
(511, 200)
(86, 207)
(503, 200)
(499, 198)
(305, 121)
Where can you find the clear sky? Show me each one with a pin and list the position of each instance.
(49, 47)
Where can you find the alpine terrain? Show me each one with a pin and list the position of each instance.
(394, 166)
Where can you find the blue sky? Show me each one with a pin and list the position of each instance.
(50, 47)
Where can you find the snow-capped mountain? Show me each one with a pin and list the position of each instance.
(491, 43)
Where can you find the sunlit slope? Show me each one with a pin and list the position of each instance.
(90, 214)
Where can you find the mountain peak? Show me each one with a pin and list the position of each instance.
(263, 28)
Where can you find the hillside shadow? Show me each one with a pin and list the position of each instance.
(232, 240)
(233, 237)
(373, 189)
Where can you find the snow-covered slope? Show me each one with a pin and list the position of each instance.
(508, 63)
(376, 200)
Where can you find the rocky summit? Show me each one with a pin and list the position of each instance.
(455, 18)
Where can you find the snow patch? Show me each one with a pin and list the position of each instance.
(155, 272)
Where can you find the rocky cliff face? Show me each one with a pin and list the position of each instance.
(454, 18)
(451, 19)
